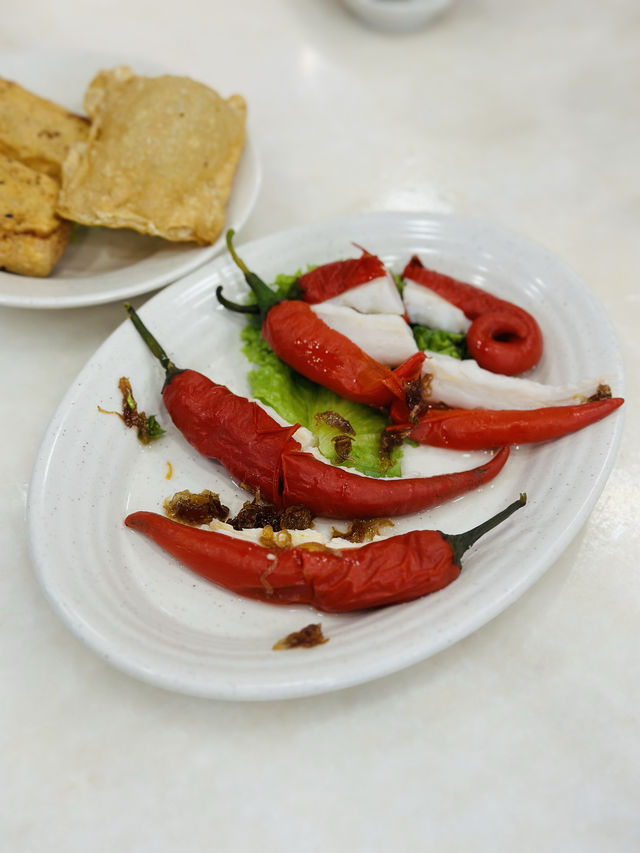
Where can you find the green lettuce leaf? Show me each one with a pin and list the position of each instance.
(436, 340)
(298, 400)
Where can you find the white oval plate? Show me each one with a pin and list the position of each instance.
(154, 619)
(103, 264)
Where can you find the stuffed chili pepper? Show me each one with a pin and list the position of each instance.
(363, 284)
(307, 344)
(481, 429)
(501, 336)
(388, 571)
(261, 454)
(463, 384)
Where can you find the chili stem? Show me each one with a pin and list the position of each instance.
(235, 306)
(461, 542)
(238, 261)
(265, 297)
(169, 367)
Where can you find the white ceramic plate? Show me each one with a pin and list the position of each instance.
(101, 264)
(151, 617)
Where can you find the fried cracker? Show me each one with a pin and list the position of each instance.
(32, 236)
(36, 131)
(161, 157)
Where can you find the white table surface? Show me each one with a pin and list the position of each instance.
(524, 736)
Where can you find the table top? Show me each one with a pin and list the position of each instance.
(525, 734)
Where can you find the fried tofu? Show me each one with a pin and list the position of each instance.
(36, 131)
(160, 158)
(32, 236)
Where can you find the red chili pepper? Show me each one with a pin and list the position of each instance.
(259, 453)
(389, 571)
(502, 337)
(333, 491)
(308, 345)
(329, 280)
(480, 429)
(237, 432)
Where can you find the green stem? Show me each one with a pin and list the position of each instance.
(265, 297)
(169, 367)
(461, 542)
(235, 306)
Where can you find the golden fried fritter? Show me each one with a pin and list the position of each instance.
(32, 236)
(160, 158)
(36, 131)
